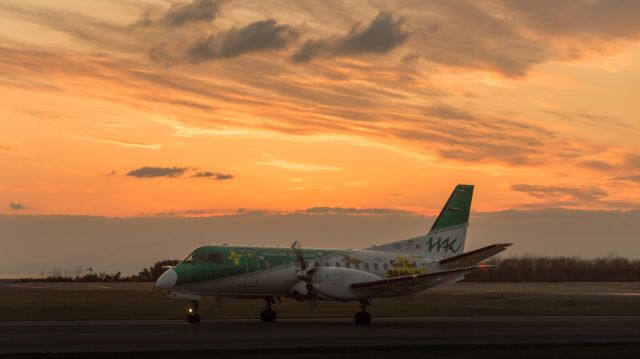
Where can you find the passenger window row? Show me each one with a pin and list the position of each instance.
(376, 267)
(216, 258)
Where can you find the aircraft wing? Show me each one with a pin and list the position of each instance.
(415, 282)
(473, 257)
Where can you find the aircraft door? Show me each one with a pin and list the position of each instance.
(253, 266)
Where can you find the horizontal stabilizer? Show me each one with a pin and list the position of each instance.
(473, 257)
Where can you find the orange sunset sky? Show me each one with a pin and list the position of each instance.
(138, 108)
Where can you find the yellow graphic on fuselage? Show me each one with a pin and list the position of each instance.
(402, 266)
(235, 257)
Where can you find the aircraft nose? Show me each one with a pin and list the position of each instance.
(167, 280)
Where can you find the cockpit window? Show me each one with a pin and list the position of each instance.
(215, 258)
(195, 258)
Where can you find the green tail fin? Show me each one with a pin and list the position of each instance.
(456, 210)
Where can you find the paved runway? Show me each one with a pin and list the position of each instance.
(92, 336)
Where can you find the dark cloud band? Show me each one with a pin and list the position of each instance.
(15, 206)
(150, 172)
(181, 14)
(257, 36)
(381, 35)
(213, 175)
(351, 210)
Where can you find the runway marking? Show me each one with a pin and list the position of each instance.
(601, 294)
(25, 286)
(97, 334)
(99, 286)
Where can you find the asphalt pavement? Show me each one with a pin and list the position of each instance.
(162, 335)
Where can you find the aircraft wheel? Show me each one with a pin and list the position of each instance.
(362, 318)
(268, 316)
(193, 318)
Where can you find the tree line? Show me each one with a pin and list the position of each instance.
(79, 274)
(558, 269)
(511, 269)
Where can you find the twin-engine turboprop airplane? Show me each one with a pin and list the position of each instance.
(388, 270)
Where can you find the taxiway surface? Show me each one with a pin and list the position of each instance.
(107, 336)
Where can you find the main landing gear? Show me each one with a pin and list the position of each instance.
(268, 315)
(363, 317)
(193, 316)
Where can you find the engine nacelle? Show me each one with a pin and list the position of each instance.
(335, 283)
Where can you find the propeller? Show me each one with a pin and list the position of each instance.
(299, 255)
(305, 273)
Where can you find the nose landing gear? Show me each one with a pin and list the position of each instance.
(363, 317)
(193, 316)
(268, 315)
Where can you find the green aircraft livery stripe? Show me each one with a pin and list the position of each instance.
(212, 263)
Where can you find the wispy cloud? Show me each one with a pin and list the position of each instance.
(556, 192)
(599, 121)
(199, 212)
(632, 160)
(597, 165)
(550, 196)
(635, 178)
(184, 129)
(578, 19)
(13, 151)
(355, 184)
(122, 143)
(215, 212)
(296, 166)
(351, 210)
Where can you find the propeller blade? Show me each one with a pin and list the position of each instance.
(299, 255)
(306, 273)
